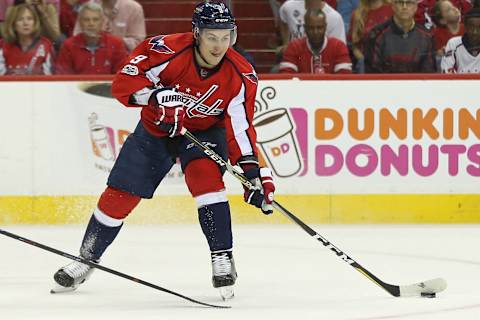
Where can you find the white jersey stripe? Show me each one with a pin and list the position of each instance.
(285, 65)
(240, 125)
(3, 66)
(143, 95)
(47, 65)
(340, 66)
(154, 73)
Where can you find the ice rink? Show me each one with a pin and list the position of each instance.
(283, 273)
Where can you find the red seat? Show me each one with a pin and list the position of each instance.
(257, 33)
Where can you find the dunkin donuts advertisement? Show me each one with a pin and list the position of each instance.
(369, 136)
(317, 136)
(336, 136)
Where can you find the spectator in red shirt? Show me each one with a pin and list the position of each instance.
(368, 14)
(92, 51)
(124, 19)
(448, 24)
(316, 53)
(23, 51)
(47, 12)
(68, 15)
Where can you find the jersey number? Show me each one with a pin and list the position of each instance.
(137, 59)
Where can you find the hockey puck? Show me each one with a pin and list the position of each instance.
(428, 295)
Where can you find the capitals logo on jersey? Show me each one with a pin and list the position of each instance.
(196, 106)
(158, 45)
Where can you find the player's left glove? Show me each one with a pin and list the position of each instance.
(169, 113)
(262, 194)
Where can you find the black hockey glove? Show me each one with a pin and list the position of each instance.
(261, 196)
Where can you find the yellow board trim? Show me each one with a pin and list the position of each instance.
(393, 208)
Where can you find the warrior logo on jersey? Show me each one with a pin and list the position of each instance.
(158, 45)
(252, 77)
(197, 109)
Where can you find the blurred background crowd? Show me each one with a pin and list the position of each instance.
(44, 37)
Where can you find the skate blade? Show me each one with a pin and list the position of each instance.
(61, 289)
(226, 293)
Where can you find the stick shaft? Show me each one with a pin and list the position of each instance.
(95, 265)
(392, 289)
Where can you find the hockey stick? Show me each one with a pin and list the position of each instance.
(95, 265)
(426, 288)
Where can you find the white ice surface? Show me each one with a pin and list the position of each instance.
(283, 274)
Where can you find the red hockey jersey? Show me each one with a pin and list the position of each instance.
(225, 97)
(333, 57)
(37, 60)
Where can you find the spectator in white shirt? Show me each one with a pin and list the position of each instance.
(462, 53)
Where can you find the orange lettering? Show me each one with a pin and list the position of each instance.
(353, 125)
(321, 132)
(424, 122)
(388, 122)
(467, 122)
(448, 123)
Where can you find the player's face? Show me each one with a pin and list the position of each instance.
(315, 29)
(404, 10)
(213, 44)
(472, 31)
(24, 25)
(91, 22)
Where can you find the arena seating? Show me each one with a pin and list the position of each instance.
(254, 18)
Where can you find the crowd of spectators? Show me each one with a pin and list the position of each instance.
(43, 37)
(380, 36)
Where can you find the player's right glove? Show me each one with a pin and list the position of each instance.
(262, 193)
(169, 113)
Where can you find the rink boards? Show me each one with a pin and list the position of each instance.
(356, 151)
(310, 208)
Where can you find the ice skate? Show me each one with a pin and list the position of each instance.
(71, 276)
(224, 273)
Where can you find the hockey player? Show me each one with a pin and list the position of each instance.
(197, 81)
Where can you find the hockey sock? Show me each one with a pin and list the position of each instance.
(99, 235)
(216, 225)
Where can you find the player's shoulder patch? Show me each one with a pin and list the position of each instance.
(170, 44)
(158, 44)
(130, 70)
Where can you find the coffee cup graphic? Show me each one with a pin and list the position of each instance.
(101, 140)
(277, 141)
